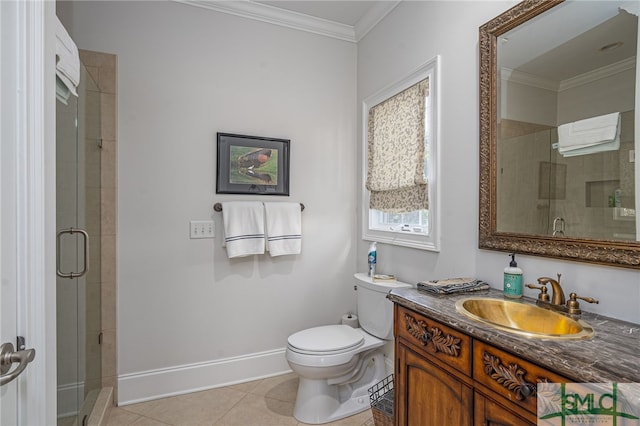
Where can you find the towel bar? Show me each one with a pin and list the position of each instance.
(218, 207)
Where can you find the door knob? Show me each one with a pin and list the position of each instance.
(8, 356)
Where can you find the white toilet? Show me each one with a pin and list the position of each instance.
(337, 364)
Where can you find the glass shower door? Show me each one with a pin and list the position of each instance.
(78, 225)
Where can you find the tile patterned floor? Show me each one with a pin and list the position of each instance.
(267, 402)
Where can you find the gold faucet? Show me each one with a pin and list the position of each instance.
(557, 294)
(558, 299)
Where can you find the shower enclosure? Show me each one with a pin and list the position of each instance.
(541, 192)
(78, 217)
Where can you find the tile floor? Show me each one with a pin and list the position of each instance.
(263, 402)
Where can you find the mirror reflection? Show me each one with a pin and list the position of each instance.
(565, 123)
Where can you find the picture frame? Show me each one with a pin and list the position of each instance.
(252, 165)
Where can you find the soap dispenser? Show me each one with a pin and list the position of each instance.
(513, 279)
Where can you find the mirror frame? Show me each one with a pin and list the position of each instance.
(604, 252)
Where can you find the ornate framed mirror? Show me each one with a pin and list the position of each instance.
(545, 66)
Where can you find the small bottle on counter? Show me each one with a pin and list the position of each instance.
(372, 259)
(616, 197)
(513, 279)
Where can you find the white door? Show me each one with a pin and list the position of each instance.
(8, 219)
(27, 232)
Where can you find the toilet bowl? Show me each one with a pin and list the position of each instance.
(337, 364)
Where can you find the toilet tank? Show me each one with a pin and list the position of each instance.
(375, 311)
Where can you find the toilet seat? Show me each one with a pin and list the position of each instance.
(326, 340)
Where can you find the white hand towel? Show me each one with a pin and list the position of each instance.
(589, 132)
(68, 59)
(243, 228)
(614, 145)
(284, 228)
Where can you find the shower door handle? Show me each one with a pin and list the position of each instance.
(558, 226)
(85, 262)
(8, 357)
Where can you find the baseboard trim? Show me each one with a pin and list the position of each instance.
(178, 380)
(389, 365)
(67, 397)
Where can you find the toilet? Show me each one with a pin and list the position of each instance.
(337, 364)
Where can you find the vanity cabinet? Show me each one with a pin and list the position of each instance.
(488, 412)
(430, 392)
(445, 377)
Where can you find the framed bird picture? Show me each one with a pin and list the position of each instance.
(252, 165)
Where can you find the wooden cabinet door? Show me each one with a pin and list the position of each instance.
(429, 396)
(491, 413)
(508, 375)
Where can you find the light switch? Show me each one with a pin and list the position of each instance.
(202, 229)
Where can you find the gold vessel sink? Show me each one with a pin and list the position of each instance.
(524, 319)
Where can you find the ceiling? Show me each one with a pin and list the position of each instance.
(344, 20)
(602, 36)
(343, 12)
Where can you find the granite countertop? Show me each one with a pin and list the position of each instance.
(612, 355)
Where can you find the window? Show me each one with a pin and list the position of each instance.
(417, 228)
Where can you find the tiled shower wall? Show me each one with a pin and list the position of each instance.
(581, 199)
(102, 67)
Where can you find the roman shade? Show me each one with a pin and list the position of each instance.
(396, 152)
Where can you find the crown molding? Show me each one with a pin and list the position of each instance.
(515, 76)
(373, 16)
(597, 74)
(298, 21)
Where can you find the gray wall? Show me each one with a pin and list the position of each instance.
(185, 73)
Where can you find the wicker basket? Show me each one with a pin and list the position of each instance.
(381, 399)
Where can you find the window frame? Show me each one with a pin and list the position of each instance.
(430, 241)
